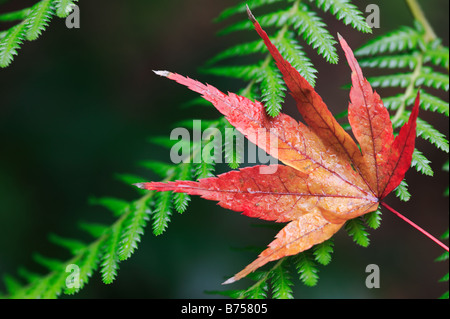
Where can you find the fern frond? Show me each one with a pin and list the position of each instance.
(73, 245)
(444, 236)
(444, 255)
(373, 219)
(158, 167)
(133, 229)
(86, 265)
(233, 145)
(161, 216)
(421, 163)
(428, 102)
(444, 278)
(259, 289)
(293, 53)
(244, 72)
(110, 260)
(64, 7)
(12, 284)
(203, 170)
(402, 191)
(392, 80)
(307, 268)
(314, 31)
(429, 133)
(10, 43)
(398, 40)
(115, 205)
(31, 22)
(164, 141)
(181, 200)
(431, 103)
(356, 229)
(438, 55)
(322, 252)
(391, 61)
(55, 282)
(242, 49)
(272, 88)
(49, 263)
(40, 15)
(94, 229)
(27, 275)
(346, 11)
(433, 78)
(281, 283)
(37, 284)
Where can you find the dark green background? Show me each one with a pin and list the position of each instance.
(77, 107)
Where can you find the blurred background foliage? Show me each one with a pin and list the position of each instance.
(78, 106)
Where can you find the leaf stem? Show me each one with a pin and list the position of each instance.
(409, 90)
(437, 241)
(418, 14)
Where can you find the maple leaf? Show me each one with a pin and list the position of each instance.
(326, 180)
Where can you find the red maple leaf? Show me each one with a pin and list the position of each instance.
(326, 180)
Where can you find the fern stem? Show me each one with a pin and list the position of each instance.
(429, 36)
(409, 89)
(418, 14)
(437, 241)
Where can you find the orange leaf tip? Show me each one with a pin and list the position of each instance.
(250, 15)
(162, 73)
(229, 281)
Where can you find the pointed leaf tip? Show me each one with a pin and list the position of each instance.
(140, 185)
(162, 73)
(229, 281)
(250, 14)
